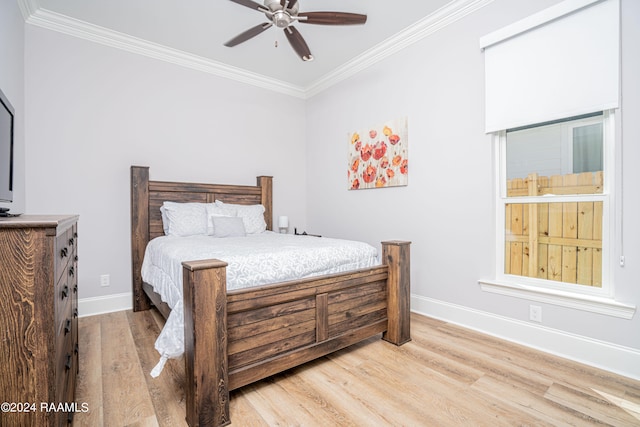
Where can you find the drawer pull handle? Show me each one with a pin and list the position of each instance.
(63, 252)
(76, 348)
(75, 234)
(71, 271)
(65, 292)
(71, 241)
(75, 258)
(67, 326)
(75, 312)
(75, 288)
(68, 364)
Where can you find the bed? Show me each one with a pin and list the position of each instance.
(235, 337)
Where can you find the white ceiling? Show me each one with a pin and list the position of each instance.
(195, 30)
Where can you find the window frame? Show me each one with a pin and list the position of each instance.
(569, 138)
(600, 300)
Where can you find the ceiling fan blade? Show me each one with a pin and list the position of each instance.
(251, 32)
(297, 43)
(251, 5)
(292, 3)
(332, 18)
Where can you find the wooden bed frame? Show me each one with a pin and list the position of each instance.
(238, 337)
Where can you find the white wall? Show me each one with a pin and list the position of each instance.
(12, 84)
(447, 210)
(93, 111)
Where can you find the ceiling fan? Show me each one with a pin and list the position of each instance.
(283, 13)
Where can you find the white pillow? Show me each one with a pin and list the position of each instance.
(252, 216)
(184, 219)
(217, 211)
(165, 220)
(228, 226)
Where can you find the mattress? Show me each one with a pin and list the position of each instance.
(253, 260)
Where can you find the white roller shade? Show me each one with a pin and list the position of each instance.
(561, 62)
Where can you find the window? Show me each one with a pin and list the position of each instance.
(555, 154)
(555, 214)
(562, 147)
(553, 204)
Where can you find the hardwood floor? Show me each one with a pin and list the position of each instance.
(446, 376)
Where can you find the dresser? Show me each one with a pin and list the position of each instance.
(38, 320)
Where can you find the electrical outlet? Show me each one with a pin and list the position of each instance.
(104, 280)
(535, 313)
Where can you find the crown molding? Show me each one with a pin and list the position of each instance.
(441, 18)
(84, 30)
(28, 7)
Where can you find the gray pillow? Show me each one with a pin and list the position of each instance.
(228, 226)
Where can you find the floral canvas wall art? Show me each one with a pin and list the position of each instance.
(378, 156)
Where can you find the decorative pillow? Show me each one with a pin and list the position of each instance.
(217, 211)
(184, 219)
(252, 216)
(228, 226)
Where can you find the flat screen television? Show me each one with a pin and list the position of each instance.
(6, 150)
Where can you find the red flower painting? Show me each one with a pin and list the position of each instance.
(378, 156)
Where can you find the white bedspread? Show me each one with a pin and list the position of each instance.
(253, 260)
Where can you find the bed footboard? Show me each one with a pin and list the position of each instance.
(255, 333)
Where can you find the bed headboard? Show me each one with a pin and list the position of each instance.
(147, 197)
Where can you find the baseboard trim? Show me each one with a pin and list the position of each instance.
(600, 354)
(105, 304)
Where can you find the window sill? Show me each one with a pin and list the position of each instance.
(600, 305)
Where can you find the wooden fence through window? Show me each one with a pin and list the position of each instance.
(555, 241)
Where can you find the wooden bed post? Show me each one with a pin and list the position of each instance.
(266, 183)
(396, 255)
(205, 342)
(139, 232)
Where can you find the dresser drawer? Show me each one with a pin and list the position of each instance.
(65, 361)
(64, 321)
(66, 370)
(63, 251)
(66, 418)
(72, 242)
(64, 293)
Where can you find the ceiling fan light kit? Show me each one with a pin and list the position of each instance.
(283, 13)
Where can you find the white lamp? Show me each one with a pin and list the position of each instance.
(283, 223)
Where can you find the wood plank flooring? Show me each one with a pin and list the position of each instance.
(446, 376)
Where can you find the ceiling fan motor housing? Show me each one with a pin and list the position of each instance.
(281, 19)
(280, 16)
